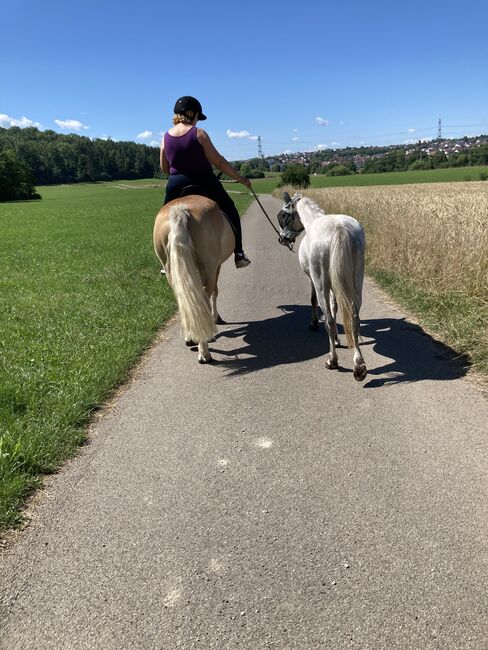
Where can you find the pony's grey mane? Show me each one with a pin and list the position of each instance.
(308, 210)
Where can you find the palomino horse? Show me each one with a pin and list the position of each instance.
(332, 255)
(192, 238)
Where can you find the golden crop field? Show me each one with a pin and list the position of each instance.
(428, 245)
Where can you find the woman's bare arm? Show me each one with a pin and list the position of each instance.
(215, 158)
(163, 161)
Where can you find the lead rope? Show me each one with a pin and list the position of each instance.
(272, 224)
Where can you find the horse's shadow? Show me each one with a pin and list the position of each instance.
(275, 341)
(411, 354)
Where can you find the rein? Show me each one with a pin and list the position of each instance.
(288, 244)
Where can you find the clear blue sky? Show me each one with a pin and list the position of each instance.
(374, 72)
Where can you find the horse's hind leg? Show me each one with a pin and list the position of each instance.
(204, 355)
(360, 371)
(314, 323)
(213, 300)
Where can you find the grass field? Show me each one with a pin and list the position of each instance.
(267, 185)
(80, 299)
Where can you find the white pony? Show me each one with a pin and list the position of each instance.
(332, 255)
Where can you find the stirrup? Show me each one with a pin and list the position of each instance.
(241, 260)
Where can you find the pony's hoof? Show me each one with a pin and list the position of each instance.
(338, 342)
(190, 343)
(202, 359)
(314, 326)
(360, 372)
(220, 321)
(332, 364)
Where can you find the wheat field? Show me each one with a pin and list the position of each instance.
(428, 245)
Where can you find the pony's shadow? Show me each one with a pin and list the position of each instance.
(411, 354)
(275, 341)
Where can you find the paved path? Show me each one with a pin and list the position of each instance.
(264, 501)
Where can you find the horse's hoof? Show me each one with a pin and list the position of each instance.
(360, 372)
(338, 342)
(219, 321)
(332, 364)
(204, 360)
(190, 343)
(313, 326)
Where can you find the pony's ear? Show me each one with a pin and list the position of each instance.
(297, 196)
(286, 197)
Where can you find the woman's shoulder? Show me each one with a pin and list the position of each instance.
(202, 134)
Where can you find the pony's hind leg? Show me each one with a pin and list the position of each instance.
(333, 309)
(314, 323)
(360, 370)
(330, 324)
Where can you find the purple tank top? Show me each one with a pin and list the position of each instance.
(185, 154)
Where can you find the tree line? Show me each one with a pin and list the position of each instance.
(56, 158)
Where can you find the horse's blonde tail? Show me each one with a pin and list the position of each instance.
(341, 271)
(186, 282)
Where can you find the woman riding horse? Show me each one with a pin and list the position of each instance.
(187, 155)
(192, 235)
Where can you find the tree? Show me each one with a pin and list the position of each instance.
(16, 181)
(296, 176)
(338, 170)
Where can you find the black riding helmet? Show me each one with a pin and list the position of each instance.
(188, 103)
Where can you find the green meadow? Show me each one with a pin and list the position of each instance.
(81, 297)
(449, 175)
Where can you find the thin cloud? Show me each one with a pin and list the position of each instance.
(7, 121)
(253, 137)
(154, 143)
(321, 147)
(295, 130)
(237, 134)
(295, 138)
(71, 125)
(145, 135)
(411, 130)
(321, 121)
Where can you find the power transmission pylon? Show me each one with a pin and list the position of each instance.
(260, 149)
(439, 130)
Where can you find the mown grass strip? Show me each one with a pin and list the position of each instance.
(456, 319)
(80, 299)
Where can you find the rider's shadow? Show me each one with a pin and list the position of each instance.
(412, 354)
(409, 353)
(272, 342)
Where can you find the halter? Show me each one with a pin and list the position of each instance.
(288, 233)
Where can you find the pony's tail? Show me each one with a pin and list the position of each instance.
(186, 282)
(341, 271)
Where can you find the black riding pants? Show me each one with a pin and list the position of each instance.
(209, 186)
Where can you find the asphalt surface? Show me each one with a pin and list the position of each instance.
(265, 501)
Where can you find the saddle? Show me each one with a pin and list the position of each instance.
(200, 191)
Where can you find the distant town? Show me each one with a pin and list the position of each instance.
(445, 151)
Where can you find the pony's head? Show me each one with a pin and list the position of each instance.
(289, 220)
